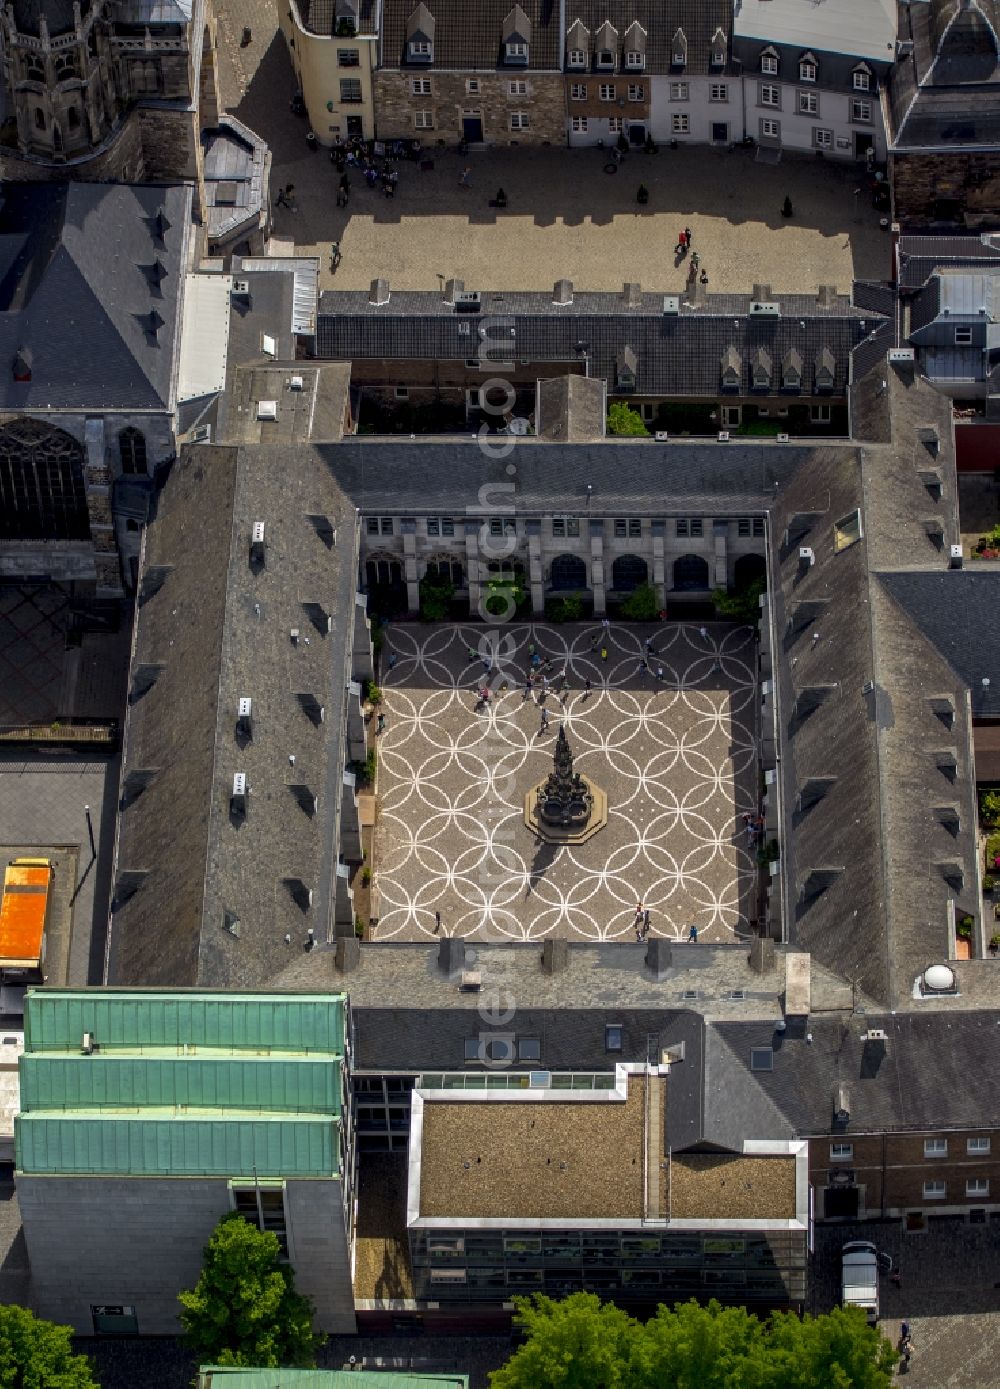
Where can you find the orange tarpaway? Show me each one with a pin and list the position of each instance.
(22, 913)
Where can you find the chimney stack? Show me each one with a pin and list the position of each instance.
(555, 956)
(762, 954)
(658, 956)
(347, 954)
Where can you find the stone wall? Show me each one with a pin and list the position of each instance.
(120, 161)
(544, 103)
(921, 182)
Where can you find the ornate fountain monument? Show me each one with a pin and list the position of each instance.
(567, 807)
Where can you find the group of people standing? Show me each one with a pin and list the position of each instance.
(682, 248)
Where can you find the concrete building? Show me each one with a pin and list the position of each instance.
(91, 293)
(941, 114)
(493, 76)
(145, 1117)
(813, 74)
(333, 48)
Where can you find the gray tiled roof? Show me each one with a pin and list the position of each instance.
(919, 256)
(944, 92)
(81, 269)
(677, 354)
(471, 37)
(699, 19)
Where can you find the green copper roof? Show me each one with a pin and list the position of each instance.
(56, 1019)
(173, 1144)
(211, 1377)
(110, 1080)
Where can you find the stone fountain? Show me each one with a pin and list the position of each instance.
(567, 807)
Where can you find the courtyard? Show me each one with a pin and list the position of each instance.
(675, 755)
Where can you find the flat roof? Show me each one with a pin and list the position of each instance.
(204, 335)
(731, 1186)
(859, 28)
(26, 887)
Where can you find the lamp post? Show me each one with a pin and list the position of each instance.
(90, 831)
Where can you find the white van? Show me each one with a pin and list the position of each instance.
(861, 1262)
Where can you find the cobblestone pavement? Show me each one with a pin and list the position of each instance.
(950, 1294)
(565, 216)
(675, 757)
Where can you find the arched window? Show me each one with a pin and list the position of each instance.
(42, 493)
(34, 68)
(39, 118)
(627, 573)
(445, 568)
(569, 573)
(65, 66)
(690, 573)
(132, 450)
(748, 569)
(73, 118)
(383, 573)
(505, 569)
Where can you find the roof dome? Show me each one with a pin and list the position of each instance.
(939, 979)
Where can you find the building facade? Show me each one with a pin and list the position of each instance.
(333, 50)
(146, 1117)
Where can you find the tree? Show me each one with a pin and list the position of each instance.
(622, 419)
(581, 1344)
(743, 605)
(642, 604)
(436, 593)
(37, 1354)
(245, 1310)
(505, 593)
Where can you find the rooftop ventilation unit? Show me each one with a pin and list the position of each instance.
(88, 1045)
(955, 560)
(241, 289)
(268, 345)
(296, 383)
(842, 1104)
(267, 409)
(471, 981)
(671, 304)
(875, 1034)
(782, 438)
(662, 435)
(468, 301)
(239, 799)
(901, 356)
(765, 308)
(257, 543)
(807, 556)
(723, 436)
(244, 718)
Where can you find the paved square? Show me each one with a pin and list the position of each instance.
(676, 757)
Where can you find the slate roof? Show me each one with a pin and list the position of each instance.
(919, 256)
(943, 92)
(699, 20)
(236, 165)
(82, 267)
(472, 38)
(212, 630)
(677, 354)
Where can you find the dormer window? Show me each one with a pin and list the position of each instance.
(791, 370)
(807, 67)
(719, 46)
(731, 368)
(516, 52)
(636, 61)
(576, 58)
(769, 63)
(516, 36)
(862, 78)
(625, 365)
(825, 364)
(420, 48)
(605, 58)
(420, 35)
(635, 47)
(761, 369)
(679, 49)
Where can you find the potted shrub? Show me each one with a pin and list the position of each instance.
(989, 883)
(964, 928)
(995, 943)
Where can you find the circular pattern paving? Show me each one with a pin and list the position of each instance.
(671, 743)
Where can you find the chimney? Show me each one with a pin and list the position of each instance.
(347, 955)
(762, 954)
(562, 292)
(658, 956)
(379, 291)
(452, 288)
(761, 293)
(826, 296)
(451, 955)
(555, 956)
(632, 295)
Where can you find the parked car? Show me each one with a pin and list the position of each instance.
(860, 1265)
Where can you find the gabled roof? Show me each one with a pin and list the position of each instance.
(76, 289)
(469, 38)
(654, 22)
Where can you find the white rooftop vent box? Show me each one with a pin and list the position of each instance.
(267, 409)
(807, 555)
(238, 800)
(765, 308)
(468, 301)
(472, 980)
(296, 383)
(782, 438)
(939, 979)
(662, 436)
(901, 356)
(671, 304)
(955, 559)
(239, 783)
(723, 436)
(245, 707)
(876, 1034)
(258, 533)
(268, 345)
(241, 289)
(257, 543)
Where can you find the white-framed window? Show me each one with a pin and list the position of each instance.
(862, 80)
(977, 1145)
(517, 89)
(770, 95)
(348, 58)
(402, 392)
(718, 91)
(807, 70)
(379, 525)
(809, 103)
(679, 91)
(823, 139)
(691, 526)
(680, 123)
(421, 86)
(607, 91)
(963, 337)
(861, 110)
(605, 58)
(615, 125)
(935, 1147)
(935, 1191)
(839, 1152)
(517, 51)
(769, 64)
(519, 120)
(770, 130)
(821, 414)
(635, 61)
(636, 91)
(977, 1186)
(565, 527)
(579, 125)
(423, 120)
(578, 91)
(440, 525)
(420, 48)
(472, 86)
(350, 89)
(576, 58)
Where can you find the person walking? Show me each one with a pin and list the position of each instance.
(281, 200)
(645, 922)
(465, 177)
(659, 672)
(604, 653)
(606, 623)
(587, 688)
(392, 660)
(693, 935)
(687, 237)
(681, 248)
(703, 633)
(545, 721)
(437, 923)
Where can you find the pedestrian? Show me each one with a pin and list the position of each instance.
(896, 1278)
(593, 644)
(531, 648)
(681, 246)
(648, 644)
(703, 633)
(695, 262)
(487, 665)
(638, 911)
(687, 237)
(703, 278)
(472, 654)
(693, 935)
(527, 687)
(246, 38)
(587, 688)
(604, 653)
(545, 720)
(645, 922)
(643, 667)
(281, 200)
(659, 672)
(392, 660)
(437, 922)
(380, 726)
(606, 624)
(545, 684)
(465, 176)
(904, 1331)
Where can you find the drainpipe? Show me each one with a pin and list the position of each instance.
(562, 63)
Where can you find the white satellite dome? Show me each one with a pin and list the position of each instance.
(939, 979)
